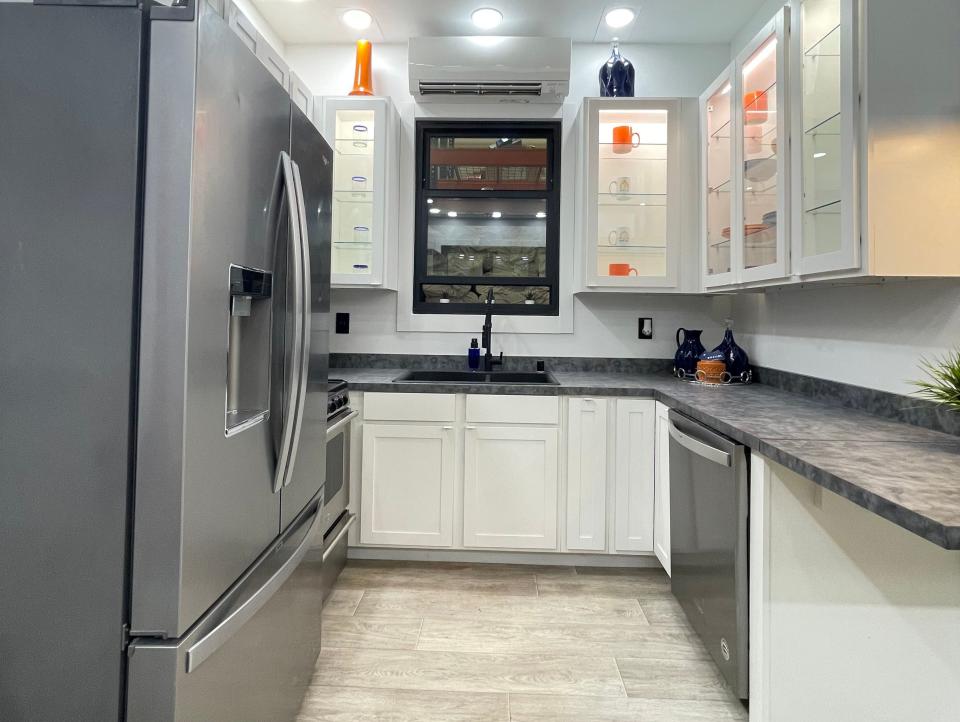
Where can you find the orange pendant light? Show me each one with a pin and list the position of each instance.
(363, 73)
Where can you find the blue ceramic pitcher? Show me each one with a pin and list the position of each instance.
(688, 351)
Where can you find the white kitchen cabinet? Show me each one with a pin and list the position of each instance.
(661, 488)
(587, 457)
(407, 484)
(745, 127)
(300, 95)
(631, 186)
(362, 131)
(510, 487)
(251, 37)
(634, 486)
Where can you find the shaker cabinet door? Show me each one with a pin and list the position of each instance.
(586, 474)
(407, 485)
(510, 487)
(635, 475)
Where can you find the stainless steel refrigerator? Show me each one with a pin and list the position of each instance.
(164, 282)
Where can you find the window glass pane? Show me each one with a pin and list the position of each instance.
(474, 163)
(477, 294)
(486, 237)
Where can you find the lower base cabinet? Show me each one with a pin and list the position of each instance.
(634, 497)
(407, 484)
(510, 487)
(661, 501)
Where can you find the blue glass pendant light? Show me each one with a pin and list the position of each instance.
(616, 75)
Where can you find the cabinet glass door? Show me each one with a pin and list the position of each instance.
(354, 179)
(764, 146)
(719, 233)
(630, 239)
(823, 55)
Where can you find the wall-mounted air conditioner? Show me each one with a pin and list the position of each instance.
(488, 68)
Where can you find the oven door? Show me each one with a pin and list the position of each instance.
(336, 495)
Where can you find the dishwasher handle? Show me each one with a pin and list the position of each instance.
(717, 456)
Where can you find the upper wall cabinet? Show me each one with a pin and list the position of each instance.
(251, 37)
(361, 130)
(824, 227)
(872, 134)
(745, 175)
(631, 193)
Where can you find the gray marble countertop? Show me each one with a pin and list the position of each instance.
(906, 474)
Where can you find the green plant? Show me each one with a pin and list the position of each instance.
(943, 380)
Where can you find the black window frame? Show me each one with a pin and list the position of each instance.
(552, 131)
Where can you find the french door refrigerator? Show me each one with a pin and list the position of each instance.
(164, 282)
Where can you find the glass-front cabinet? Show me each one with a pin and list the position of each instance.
(716, 118)
(359, 129)
(745, 164)
(822, 55)
(631, 204)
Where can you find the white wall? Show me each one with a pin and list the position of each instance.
(870, 336)
(602, 326)
(605, 325)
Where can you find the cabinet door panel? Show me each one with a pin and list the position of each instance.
(510, 487)
(407, 483)
(587, 474)
(635, 475)
(661, 514)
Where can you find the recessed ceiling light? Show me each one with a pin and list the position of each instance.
(486, 18)
(619, 17)
(451, 214)
(434, 211)
(496, 214)
(429, 200)
(541, 214)
(357, 19)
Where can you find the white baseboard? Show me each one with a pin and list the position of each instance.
(641, 561)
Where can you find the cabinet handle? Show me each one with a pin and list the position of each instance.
(470, 428)
(447, 428)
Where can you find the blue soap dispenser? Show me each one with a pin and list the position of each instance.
(473, 355)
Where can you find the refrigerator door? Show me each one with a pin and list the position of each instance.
(69, 183)
(251, 657)
(313, 161)
(217, 202)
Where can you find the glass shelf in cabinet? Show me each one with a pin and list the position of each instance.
(642, 152)
(824, 208)
(717, 133)
(361, 244)
(348, 196)
(720, 187)
(828, 126)
(761, 94)
(638, 200)
(350, 148)
(827, 46)
(607, 248)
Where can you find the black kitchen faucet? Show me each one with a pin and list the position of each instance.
(486, 338)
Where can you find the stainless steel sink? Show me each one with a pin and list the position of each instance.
(477, 377)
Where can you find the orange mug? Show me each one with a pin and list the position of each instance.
(622, 269)
(755, 107)
(624, 139)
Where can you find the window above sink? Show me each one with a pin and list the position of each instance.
(487, 216)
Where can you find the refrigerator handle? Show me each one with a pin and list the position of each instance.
(306, 291)
(207, 645)
(285, 457)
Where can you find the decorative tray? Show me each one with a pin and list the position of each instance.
(726, 379)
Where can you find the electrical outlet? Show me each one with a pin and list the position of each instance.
(342, 323)
(645, 328)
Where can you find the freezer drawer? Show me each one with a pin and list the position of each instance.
(251, 657)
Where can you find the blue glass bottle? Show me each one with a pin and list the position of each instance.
(616, 75)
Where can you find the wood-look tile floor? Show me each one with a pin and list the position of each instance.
(439, 642)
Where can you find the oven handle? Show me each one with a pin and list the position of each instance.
(698, 447)
(337, 427)
(336, 540)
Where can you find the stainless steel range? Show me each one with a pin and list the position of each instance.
(336, 518)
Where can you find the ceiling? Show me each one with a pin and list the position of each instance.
(395, 21)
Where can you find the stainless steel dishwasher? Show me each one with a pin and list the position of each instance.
(709, 502)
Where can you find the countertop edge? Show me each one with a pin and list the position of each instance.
(944, 536)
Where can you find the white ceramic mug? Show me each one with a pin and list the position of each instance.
(361, 234)
(620, 185)
(619, 236)
(358, 183)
